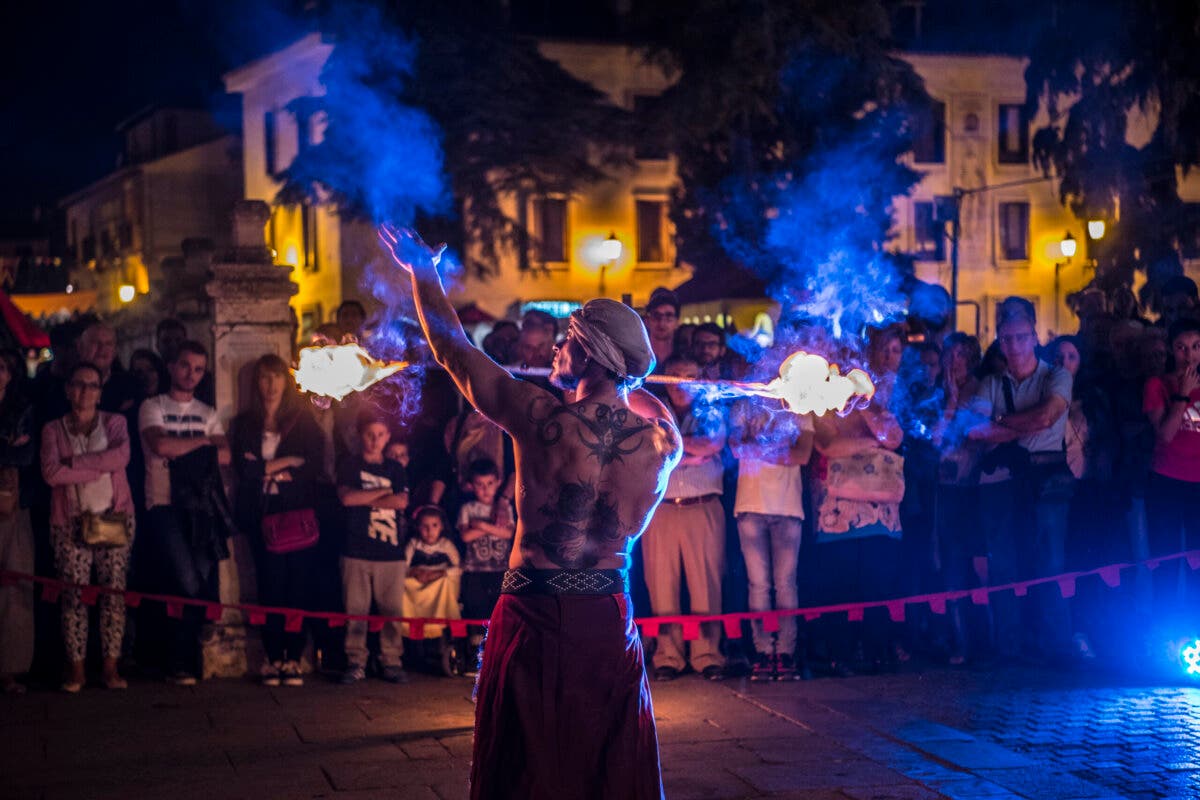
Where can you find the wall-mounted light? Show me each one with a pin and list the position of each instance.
(126, 292)
(611, 248)
(1067, 245)
(1095, 229)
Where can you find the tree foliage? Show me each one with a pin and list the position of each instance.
(508, 120)
(1095, 67)
(773, 98)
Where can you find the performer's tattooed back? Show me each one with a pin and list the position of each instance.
(589, 476)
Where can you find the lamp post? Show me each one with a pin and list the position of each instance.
(1067, 248)
(610, 252)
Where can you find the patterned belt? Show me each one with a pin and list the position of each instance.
(526, 580)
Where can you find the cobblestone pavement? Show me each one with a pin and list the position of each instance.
(931, 734)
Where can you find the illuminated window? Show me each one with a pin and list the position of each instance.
(308, 228)
(1014, 231)
(651, 215)
(929, 233)
(929, 134)
(1012, 134)
(550, 220)
(269, 141)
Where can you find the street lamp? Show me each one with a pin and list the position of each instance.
(1095, 229)
(610, 252)
(126, 292)
(1067, 247)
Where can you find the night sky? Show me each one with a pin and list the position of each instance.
(71, 71)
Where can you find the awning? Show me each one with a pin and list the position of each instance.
(47, 305)
(26, 333)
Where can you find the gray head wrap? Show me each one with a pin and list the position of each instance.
(614, 336)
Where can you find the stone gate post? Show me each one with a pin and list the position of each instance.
(251, 318)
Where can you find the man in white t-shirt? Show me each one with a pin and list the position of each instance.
(173, 425)
(771, 445)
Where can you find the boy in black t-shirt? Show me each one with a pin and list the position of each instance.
(374, 493)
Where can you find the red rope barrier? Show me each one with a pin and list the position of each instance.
(1110, 575)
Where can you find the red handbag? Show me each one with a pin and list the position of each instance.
(289, 531)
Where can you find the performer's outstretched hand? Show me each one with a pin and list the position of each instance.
(408, 249)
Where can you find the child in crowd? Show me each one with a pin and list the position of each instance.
(397, 450)
(487, 528)
(374, 491)
(431, 588)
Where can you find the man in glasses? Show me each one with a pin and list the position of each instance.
(1025, 484)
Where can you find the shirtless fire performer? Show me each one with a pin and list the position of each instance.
(563, 704)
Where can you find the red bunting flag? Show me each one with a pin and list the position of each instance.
(336, 621)
(855, 614)
(1111, 575)
(691, 630)
(458, 628)
(979, 597)
(51, 591)
(1021, 589)
(937, 605)
(88, 595)
(1066, 585)
(1193, 559)
(375, 624)
(174, 609)
(896, 611)
(256, 616)
(212, 612)
(416, 629)
(650, 629)
(133, 599)
(771, 623)
(733, 627)
(293, 621)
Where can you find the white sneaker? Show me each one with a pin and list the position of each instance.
(290, 675)
(271, 673)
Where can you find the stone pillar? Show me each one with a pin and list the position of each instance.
(251, 318)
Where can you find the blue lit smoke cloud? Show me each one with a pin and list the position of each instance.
(380, 160)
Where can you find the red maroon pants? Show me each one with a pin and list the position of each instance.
(563, 704)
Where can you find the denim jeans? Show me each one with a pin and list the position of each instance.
(771, 549)
(179, 569)
(1024, 523)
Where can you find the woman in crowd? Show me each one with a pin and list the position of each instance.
(151, 373)
(858, 528)
(278, 454)
(956, 503)
(84, 455)
(1172, 402)
(16, 535)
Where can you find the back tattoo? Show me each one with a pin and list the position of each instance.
(583, 523)
(608, 432)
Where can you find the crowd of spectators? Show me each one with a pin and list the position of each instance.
(970, 467)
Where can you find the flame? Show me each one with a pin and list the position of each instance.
(807, 383)
(338, 370)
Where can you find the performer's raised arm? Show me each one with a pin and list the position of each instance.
(486, 385)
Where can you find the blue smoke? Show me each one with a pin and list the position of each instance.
(380, 158)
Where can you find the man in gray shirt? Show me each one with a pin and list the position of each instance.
(1025, 484)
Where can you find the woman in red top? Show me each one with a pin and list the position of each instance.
(1172, 403)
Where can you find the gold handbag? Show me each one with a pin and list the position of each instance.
(109, 529)
(106, 529)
